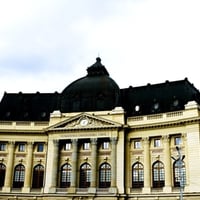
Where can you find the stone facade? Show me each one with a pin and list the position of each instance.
(98, 155)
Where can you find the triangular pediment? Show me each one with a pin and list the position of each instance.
(85, 121)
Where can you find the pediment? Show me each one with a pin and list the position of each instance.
(85, 121)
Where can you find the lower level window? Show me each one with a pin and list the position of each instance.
(158, 175)
(66, 171)
(105, 175)
(19, 175)
(137, 175)
(38, 176)
(85, 175)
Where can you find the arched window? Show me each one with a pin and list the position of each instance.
(2, 174)
(158, 174)
(38, 176)
(104, 175)
(19, 174)
(179, 172)
(137, 175)
(65, 177)
(85, 175)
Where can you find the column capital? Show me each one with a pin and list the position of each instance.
(55, 142)
(113, 140)
(30, 143)
(93, 141)
(11, 142)
(74, 141)
(146, 140)
(165, 138)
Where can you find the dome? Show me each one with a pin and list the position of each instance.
(94, 92)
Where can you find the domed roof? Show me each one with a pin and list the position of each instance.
(96, 91)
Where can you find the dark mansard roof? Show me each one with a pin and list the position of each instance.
(96, 92)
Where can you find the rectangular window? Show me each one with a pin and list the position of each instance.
(40, 147)
(177, 140)
(157, 142)
(21, 147)
(67, 146)
(2, 146)
(137, 144)
(105, 145)
(86, 145)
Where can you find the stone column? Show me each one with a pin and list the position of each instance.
(9, 167)
(147, 166)
(52, 167)
(113, 164)
(93, 185)
(167, 163)
(74, 166)
(28, 169)
(55, 164)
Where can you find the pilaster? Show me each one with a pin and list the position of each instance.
(147, 167)
(9, 167)
(28, 174)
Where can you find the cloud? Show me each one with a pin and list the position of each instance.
(48, 44)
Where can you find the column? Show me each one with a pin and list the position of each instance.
(147, 166)
(28, 169)
(55, 164)
(9, 167)
(52, 167)
(167, 164)
(93, 185)
(113, 164)
(74, 165)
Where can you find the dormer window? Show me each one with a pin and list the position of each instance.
(137, 108)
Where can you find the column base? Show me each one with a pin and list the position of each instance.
(92, 190)
(167, 189)
(112, 190)
(146, 190)
(26, 189)
(6, 189)
(52, 190)
(71, 190)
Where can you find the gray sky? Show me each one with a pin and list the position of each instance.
(47, 44)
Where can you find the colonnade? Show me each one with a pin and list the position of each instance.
(166, 158)
(53, 159)
(10, 167)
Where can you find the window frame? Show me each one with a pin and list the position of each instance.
(38, 176)
(137, 144)
(67, 146)
(105, 175)
(40, 147)
(86, 146)
(65, 175)
(2, 174)
(21, 147)
(106, 145)
(2, 146)
(19, 176)
(85, 175)
(177, 140)
(176, 173)
(158, 174)
(137, 175)
(157, 142)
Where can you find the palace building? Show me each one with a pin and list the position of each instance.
(96, 141)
